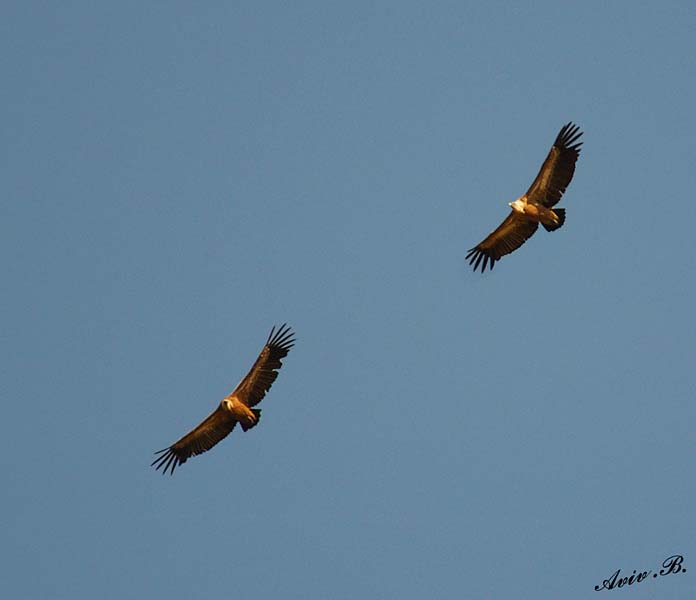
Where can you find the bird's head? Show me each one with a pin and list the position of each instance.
(517, 205)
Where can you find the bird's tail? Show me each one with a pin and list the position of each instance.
(247, 425)
(560, 213)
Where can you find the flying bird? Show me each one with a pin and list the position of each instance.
(235, 408)
(536, 206)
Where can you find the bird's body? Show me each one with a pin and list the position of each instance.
(533, 211)
(240, 412)
(536, 206)
(237, 407)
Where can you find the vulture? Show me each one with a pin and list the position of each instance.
(235, 408)
(536, 206)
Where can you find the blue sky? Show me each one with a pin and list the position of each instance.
(176, 179)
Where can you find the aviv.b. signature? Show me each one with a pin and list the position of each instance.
(671, 565)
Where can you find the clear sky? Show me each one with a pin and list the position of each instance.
(178, 177)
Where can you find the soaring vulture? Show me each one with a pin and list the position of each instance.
(536, 205)
(235, 408)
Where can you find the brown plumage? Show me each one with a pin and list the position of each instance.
(235, 408)
(536, 205)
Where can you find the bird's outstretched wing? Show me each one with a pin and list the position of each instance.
(558, 168)
(510, 235)
(215, 428)
(260, 378)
